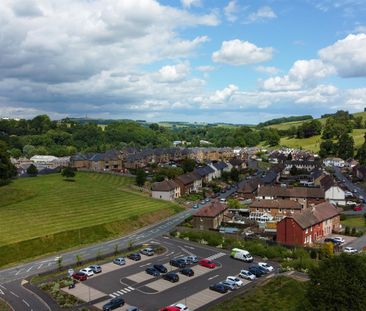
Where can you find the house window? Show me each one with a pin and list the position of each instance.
(280, 210)
(268, 210)
(292, 211)
(306, 232)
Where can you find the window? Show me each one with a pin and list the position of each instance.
(306, 232)
(292, 211)
(280, 210)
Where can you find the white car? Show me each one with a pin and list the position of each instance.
(339, 239)
(350, 250)
(245, 274)
(87, 271)
(236, 280)
(266, 266)
(181, 306)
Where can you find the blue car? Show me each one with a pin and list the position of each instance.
(152, 271)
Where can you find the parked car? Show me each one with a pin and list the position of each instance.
(87, 271)
(152, 271)
(358, 208)
(203, 202)
(207, 263)
(339, 239)
(256, 271)
(229, 284)
(222, 200)
(236, 280)
(171, 277)
(331, 240)
(169, 308)
(186, 260)
(192, 258)
(181, 307)
(114, 304)
(80, 276)
(207, 200)
(134, 256)
(133, 308)
(119, 261)
(177, 263)
(245, 274)
(264, 270)
(96, 268)
(160, 268)
(350, 250)
(218, 287)
(195, 206)
(187, 272)
(148, 251)
(266, 266)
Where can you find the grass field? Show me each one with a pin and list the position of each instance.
(354, 222)
(280, 293)
(4, 306)
(37, 207)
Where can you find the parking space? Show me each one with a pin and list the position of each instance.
(347, 239)
(110, 266)
(140, 277)
(84, 292)
(100, 305)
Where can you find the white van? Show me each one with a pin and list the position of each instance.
(241, 254)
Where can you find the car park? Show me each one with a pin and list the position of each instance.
(339, 239)
(245, 274)
(87, 271)
(177, 263)
(160, 268)
(148, 251)
(256, 271)
(134, 256)
(119, 261)
(193, 258)
(229, 285)
(187, 272)
(171, 277)
(114, 304)
(96, 268)
(152, 271)
(236, 280)
(266, 266)
(187, 261)
(350, 250)
(264, 270)
(80, 276)
(181, 307)
(218, 287)
(207, 263)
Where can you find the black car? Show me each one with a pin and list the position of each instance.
(171, 277)
(264, 270)
(152, 271)
(134, 256)
(160, 268)
(331, 240)
(114, 304)
(219, 288)
(256, 271)
(178, 263)
(187, 272)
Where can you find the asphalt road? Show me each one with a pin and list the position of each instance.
(20, 298)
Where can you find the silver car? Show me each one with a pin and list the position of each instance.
(119, 261)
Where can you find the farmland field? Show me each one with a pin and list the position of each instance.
(46, 205)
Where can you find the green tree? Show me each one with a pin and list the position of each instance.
(232, 203)
(7, 169)
(188, 165)
(327, 148)
(358, 122)
(15, 153)
(361, 153)
(68, 172)
(293, 170)
(345, 146)
(32, 170)
(140, 177)
(338, 284)
(234, 174)
(29, 151)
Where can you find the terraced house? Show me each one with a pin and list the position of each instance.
(165, 190)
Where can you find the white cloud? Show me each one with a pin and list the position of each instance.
(263, 13)
(206, 68)
(189, 3)
(348, 55)
(360, 29)
(231, 10)
(267, 69)
(236, 52)
(174, 73)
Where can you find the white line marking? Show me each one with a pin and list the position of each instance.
(215, 276)
(2, 287)
(116, 293)
(14, 294)
(40, 266)
(26, 303)
(18, 272)
(112, 296)
(1, 292)
(30, 269)
(120, 292)
(147, 264)
(131, 288)
(126, 290)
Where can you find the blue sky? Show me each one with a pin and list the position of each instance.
(190, 60)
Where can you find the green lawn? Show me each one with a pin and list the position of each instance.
(357, 222)
(4, 306)
(41, 206)
(280, 293)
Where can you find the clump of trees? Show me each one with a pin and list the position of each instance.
(7, 169)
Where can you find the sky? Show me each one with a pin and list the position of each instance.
(182, 60)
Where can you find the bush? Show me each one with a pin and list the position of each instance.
(343, 217)
(347, 231)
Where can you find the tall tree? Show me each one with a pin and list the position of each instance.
(140, 177)
(7, 169)
(68, 172)
(188, 165)
(345, 146)
(32, 170)
(327, 148)
(234, 174)
(361, 153)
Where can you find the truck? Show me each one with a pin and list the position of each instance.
(241, 254)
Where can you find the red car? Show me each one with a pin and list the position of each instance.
(80, 276)
(170, 308)
(358, 208)
(207, 263)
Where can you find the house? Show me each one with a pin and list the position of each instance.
(166, 190)
(189, 182)
(359, 171)
(238, 164)
(210, 216)
(332, 192)
(332, 161)
(351, 163)
(309, 226)
(207, 173)
(248, 188)
(218, 167)
(301, 165)
(304, 195)
(276, 208)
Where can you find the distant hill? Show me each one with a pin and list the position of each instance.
(285, 120)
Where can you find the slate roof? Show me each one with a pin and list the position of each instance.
(269, 178)
(166, 185)
(327, 182)
(188, 178)
(285, 204)
(220, 165)
(204, 171)
(249, 186)
(212, 210)
(236, 162)
(291, 192)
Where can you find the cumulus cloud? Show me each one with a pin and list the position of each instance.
(231, 10)
(189, 3)
(206, 68)
(348, 55)
(174, 73)
(267, 69)
(263, 13)
(237, 52)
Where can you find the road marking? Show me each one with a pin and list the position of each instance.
(212, 277)
(26, 303)
(215, 256)
(40, 266)
(18, 271)
(112, 296)
(1, 292)
(14, 294)
(131, 288)
(190, 247)
(50, 263)
(30, 269)
(2, 287)
(147, 264)
(126, 290)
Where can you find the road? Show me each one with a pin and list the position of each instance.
(19, 298)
